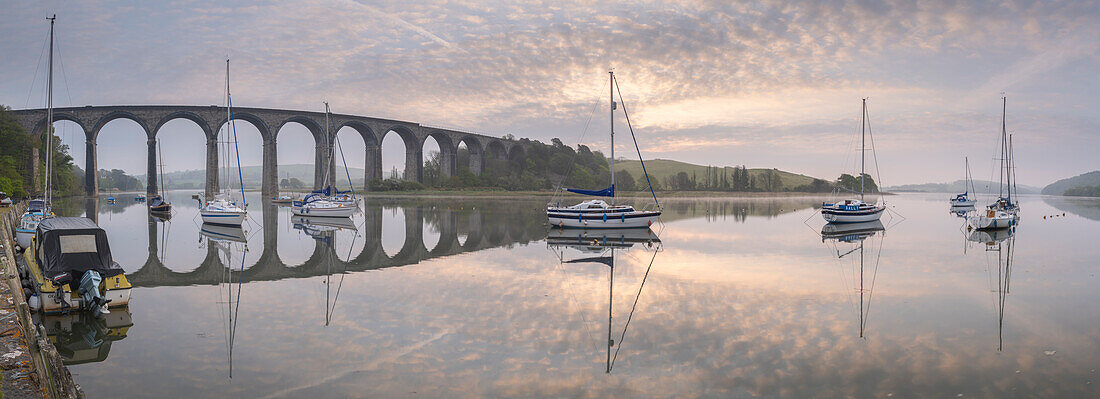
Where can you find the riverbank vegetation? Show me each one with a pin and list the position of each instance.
(16, 161)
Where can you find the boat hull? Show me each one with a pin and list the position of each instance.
(861, 216)
(23, 237)
(983, 222)
(614, 220)
(341, 211)
(962, 204)
(224, 218)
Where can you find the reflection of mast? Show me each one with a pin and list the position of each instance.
(226, 247)
(1004, 277)
(606, 244)
(328, 238)
(865, 294)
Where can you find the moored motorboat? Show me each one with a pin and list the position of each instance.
(36, 211)
(70, 267)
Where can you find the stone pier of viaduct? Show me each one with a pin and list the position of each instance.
(269, 122)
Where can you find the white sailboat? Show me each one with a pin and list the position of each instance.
(856, 210)
(223, 208)
(963, 200)
(1004, 212)
(327, 202)
(598, 214)
(40, 208)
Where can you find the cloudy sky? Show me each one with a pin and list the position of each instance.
(764, 83)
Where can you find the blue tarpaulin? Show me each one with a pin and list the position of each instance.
(607, 192)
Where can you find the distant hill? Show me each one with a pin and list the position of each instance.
(196, 178)
(957, 186)
(661, 168)
(1060, 187)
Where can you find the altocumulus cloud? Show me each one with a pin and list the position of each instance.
(735, 74)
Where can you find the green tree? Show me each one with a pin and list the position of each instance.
(624, 181)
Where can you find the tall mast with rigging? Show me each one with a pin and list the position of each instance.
(862, 148)
(612, 93)
(49, 115)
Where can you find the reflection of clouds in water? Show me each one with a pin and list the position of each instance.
(738, 314)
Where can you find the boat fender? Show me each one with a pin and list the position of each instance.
(623, 215)
(34, 302)
(580, 217)
(605, 218)
(649, 223)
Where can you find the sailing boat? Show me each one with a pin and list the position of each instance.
(604, 243)
(321, 202)
(856, 210)
(157, 204)
(598, 214)
(223, 209)
(40, 208)
(1004, 212)
(963, 200)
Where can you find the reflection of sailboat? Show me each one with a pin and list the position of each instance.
(324, 231)
(223, 239)
(1001, 242)
(223, 232)
(850, 232)
(857, 234)
(83, 338)
(604, 243)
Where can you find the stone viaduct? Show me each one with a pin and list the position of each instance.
(269, 122)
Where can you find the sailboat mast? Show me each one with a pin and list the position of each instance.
(611, 92)
(330, 165)
(1004, 149)
(862, 148)
(49, 116)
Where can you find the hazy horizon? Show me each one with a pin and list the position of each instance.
(763, 84)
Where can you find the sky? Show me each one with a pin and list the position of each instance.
(762, 84)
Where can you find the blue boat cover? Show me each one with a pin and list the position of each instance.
(607, 192)
(327, 191)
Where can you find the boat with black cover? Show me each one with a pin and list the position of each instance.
(70, 267)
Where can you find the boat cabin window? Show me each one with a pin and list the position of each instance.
(75, 244)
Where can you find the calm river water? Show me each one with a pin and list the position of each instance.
(470, 298)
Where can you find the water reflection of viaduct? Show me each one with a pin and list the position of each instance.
(483, 231)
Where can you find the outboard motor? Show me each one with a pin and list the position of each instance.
(89, 293)
(59, 281)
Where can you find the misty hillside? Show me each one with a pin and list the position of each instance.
(1083, 180)
(981, 186)
(196, 178)
(661, 168)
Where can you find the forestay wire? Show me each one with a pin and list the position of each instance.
(640, 159)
